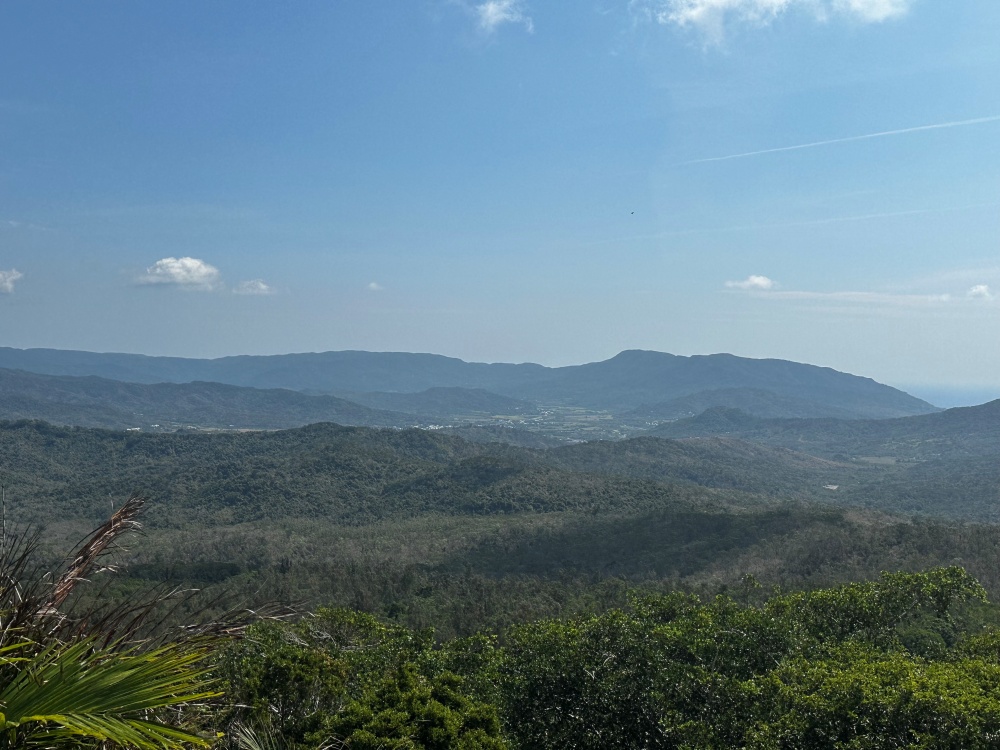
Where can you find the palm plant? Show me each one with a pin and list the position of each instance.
(71, 679)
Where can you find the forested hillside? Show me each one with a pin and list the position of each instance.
(101, 402)
(436, 530)
(954, 433)
(610, 561)
(754, 401)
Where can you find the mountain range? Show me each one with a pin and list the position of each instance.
(634, 385)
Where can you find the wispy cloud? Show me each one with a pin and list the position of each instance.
(752, 282)
(8, 279)
(18, 225)
(941, 292)
(711, 18)
(850, 139)
(956, 278)
(879, 299)
(980, 291)
(374, 287)
(190, 273)
(493, 14)
(253, 287)
(765, 287)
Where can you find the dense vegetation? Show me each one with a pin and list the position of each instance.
(904, 661)
(877, 665)
(955, 433)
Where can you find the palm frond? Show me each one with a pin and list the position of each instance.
(104, 538)
(82, 689)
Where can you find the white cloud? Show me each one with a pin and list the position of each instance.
(752, 282)
(874, 10)
(980, 291)
(186, 272)
(7, 280)
(257, 287)
(712, 17)
(495, 13)
(374, 287)
(712, 14)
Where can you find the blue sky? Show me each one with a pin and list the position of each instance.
(816, 180)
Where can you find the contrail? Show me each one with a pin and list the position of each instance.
(787, 224)
(867, 136)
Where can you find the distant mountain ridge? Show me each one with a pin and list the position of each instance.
(324, 372)
(620, 384)
(952, 433)
(91, 401)
(643, 377)
(753, 401)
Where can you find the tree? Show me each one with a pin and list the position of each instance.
(346, 677)
(824, 669)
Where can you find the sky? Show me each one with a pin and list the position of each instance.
(510, 180)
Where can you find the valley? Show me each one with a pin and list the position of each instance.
(467, 514)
